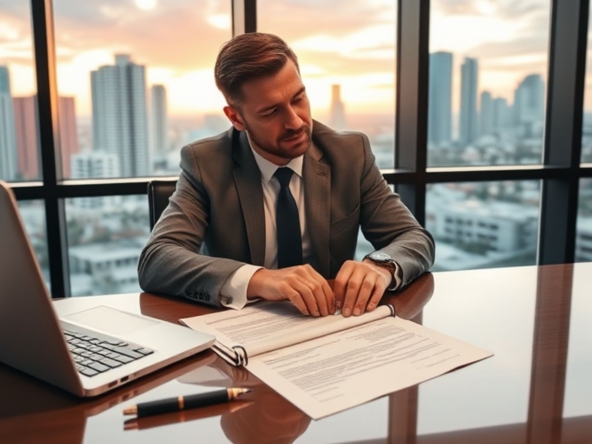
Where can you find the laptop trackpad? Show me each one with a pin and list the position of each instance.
(111, 320)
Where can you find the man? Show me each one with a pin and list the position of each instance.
(271, 208)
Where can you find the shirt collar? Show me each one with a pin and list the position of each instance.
(268, 168)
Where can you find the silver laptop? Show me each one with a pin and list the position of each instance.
(85, 352)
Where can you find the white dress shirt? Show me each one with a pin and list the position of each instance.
(234, 291)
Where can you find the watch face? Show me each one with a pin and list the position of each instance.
(379, 256)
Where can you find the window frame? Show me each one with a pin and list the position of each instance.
(560, 171)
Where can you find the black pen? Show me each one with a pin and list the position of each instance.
(184, 402)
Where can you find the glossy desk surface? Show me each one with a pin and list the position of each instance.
(537, 388)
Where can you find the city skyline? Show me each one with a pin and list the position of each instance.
(359, 56)
(481, 114)
(121, 87)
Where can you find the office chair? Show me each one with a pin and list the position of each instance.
(159, 192)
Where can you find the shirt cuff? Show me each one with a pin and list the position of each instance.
(234, 291)
(396, 282)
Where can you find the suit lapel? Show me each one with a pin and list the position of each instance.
(247, 179)
(317, 186)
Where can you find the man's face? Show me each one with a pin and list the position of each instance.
(275, 113)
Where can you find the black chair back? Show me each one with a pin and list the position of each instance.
(159, 192)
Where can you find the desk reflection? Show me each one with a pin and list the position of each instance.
(261, 416)
(33, 408)
(269, 417)
(524, 315)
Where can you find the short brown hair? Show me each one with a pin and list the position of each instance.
(249, 56)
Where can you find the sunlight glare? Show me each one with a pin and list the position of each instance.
(145, 5)
(219, 21)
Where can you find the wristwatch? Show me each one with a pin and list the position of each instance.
(384, 260)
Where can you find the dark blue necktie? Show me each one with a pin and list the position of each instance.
(289, 241)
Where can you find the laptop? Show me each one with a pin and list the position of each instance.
(85, 352)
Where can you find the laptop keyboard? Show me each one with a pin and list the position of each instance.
(94, 354)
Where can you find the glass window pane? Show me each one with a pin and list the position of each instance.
(483, 224)
(136, 83)
(584, 224)
(33, 215)
(19, 152)
(346, 52)
(586, 156)
(488, 67)
(105, 238)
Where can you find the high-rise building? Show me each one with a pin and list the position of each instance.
(158, 119)
(8, 153)
(25, 123)
(4, 79)
(25, 119)
(486, 114)
(68, 133)
(94, 165)
(337, 110)
(529, 104)
(501, 114)
(468, 101)
(119, 114)
(440, 98)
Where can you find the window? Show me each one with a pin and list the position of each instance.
(488, 67)
(136, 83)
(584, 224)
(346, 53)
(19, 152)
(506, 234)
(105, 238)
(587, 118)
(353, 48)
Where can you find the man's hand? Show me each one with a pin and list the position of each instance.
(360, 285)
(302, 285)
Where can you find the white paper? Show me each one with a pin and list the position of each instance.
(345, 369)
(340, 370)
(269, 326)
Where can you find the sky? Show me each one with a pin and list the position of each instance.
(350, 42)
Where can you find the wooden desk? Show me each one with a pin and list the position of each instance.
(536, 389)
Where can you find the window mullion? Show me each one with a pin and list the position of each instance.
(49, 142)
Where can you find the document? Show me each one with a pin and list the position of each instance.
(326, 365)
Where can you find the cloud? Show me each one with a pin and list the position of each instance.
(521, 47)
(359, 39)
(295, 20)
(15, 9)
(505, 9)
(336, 40)
(179, 35)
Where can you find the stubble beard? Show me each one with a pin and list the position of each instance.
(276, 149)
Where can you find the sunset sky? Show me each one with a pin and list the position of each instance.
(350, 42)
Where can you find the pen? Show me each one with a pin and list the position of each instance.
(148, 422)
(184, 402)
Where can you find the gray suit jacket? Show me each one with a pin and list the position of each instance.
(215, 221)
